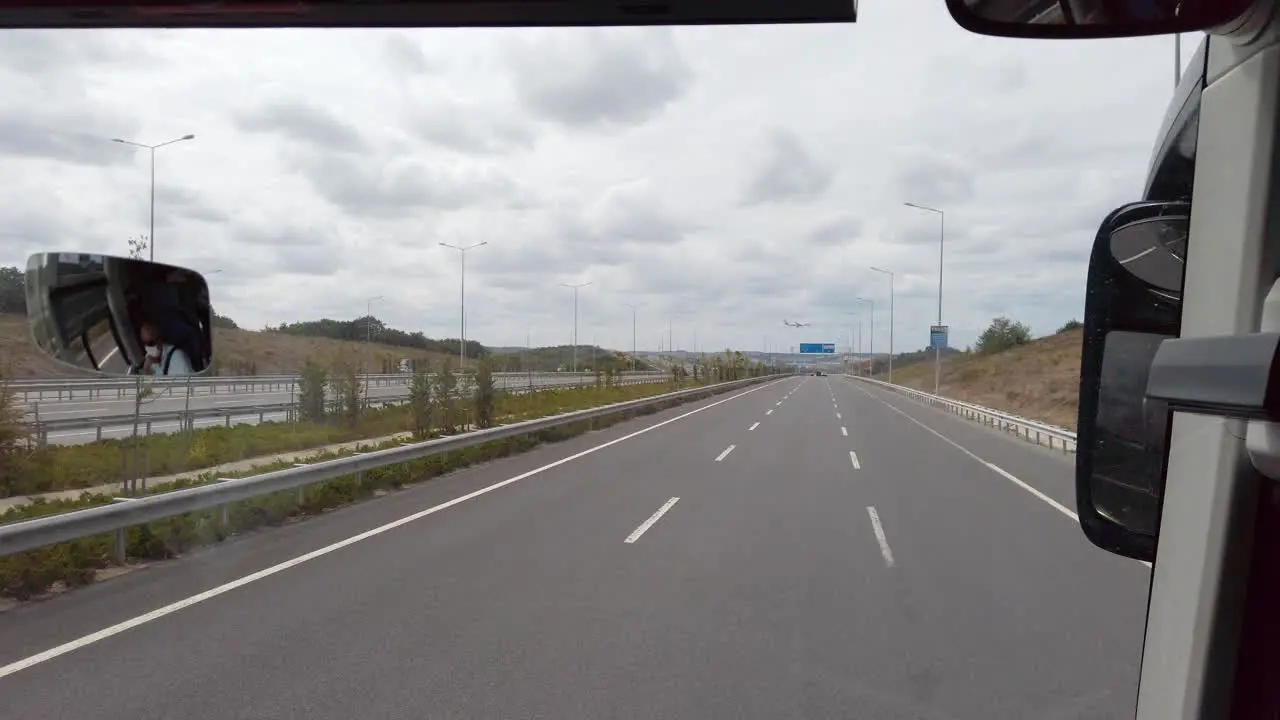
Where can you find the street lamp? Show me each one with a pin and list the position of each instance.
(575, 319)
(368, 338)
(871, 340)
(462, 320)
(633, 334)
(942, 235)
(891, 323)
(151, 238)
(858, 321)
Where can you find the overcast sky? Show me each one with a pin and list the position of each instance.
(729, 177)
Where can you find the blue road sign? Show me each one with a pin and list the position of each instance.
(938, 337)
(818, 348)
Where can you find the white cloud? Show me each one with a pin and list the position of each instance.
(731, 175)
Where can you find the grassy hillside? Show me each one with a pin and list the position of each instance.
(1039, 380)
(236, 352)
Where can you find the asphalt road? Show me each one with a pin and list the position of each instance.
(117, 413)
(624, 575)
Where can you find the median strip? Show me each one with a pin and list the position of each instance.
(76, 558)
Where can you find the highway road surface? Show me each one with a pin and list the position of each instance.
(810, 548)
(118, 413)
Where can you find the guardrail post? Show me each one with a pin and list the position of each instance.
(120, 546)
(302, 489)
(359, 473)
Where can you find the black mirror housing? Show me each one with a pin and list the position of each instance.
(1133, 304)
(1092, 19)
(119, 316)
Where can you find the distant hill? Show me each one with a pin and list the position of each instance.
(550, 359)
(369, 328)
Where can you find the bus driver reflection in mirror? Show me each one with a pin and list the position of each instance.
(162, 358)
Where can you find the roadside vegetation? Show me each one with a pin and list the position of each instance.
(1007, 370)
(435, 408)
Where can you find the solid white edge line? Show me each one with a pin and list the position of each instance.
(726, 452)
(880, 537)
(853, 458)
(992, 466)
(103, 634)
(635, 534)
(753, 426)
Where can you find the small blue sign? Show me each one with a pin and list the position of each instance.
(938, 337)
(817, 348)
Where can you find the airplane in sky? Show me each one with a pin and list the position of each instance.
(796, 324)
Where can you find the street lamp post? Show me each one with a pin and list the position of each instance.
(368, 338)
(575, 319)
(151, 237)
(942, 236)
(871, 335)
(857, 354)
(633, 335)
(462, 292)
(891, 323)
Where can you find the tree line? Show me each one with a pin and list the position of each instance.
(371, 328)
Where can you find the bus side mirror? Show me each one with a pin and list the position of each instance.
(105, 314)
(1133, 304)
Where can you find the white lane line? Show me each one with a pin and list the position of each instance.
(769, 411)
(753, 426)
(880, 538)
(994, 468)
(635, 535)
(853, 457)
(839, 416)
(174, 607)
(779, 402)
(726, 452)
(844, 431)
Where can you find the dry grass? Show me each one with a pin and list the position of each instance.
(269, 353)
(1039, 380)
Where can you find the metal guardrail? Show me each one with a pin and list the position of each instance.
(39, 532)
(72, 388)
(187, 417)
(1029, 430)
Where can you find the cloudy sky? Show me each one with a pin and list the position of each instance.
(721, 179)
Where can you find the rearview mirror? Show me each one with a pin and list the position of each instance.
(1133, 303)
(1084, 19)
(119, 316)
